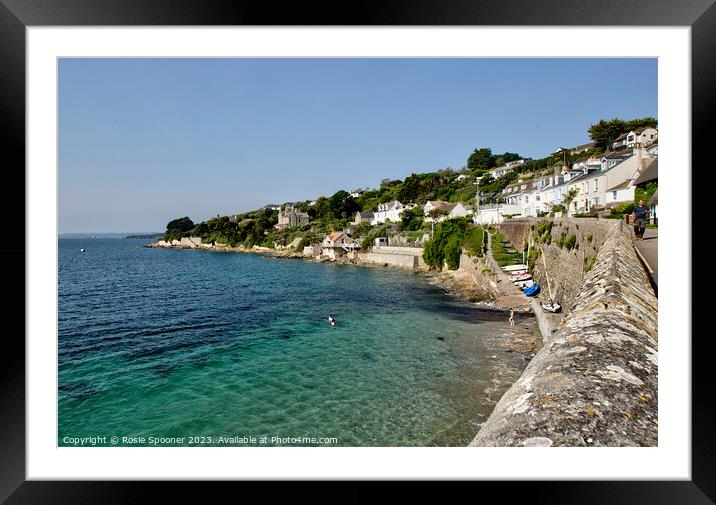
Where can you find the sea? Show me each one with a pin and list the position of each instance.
(191, 348)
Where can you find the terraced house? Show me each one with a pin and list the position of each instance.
(612, 184)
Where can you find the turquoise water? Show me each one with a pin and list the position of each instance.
(178, 343)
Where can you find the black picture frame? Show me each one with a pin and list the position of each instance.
(17, 15)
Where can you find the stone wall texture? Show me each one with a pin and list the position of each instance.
(401, 257)
(594, 382)
(479, 271)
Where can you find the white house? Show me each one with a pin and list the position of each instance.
(640, 136)
(500, 171)
(459, 210)
(613, 159)
(612, 184)
(446, 211)
(520, 196)
(495, 214)
(432, 204)
(622, 192)
(516, 163)
(593, 162)
(388, 211)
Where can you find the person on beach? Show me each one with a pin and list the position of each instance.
(640, 214)
(512, 317)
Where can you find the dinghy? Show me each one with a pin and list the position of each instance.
(532, 290)
(552, 307)
(514, 268)
(520, 277)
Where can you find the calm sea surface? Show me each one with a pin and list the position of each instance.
(179, 343)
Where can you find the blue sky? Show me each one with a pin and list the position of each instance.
(143, 141)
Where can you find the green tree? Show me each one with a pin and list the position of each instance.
(507, 157)
(604, 133)
(453, 248)
(480, 159)
(410, 189)
(442, 246)
(412, 219)
(181, 225)
(644, 122)
(486, 181)
(645, 193)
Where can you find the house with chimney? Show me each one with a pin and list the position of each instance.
(388, 211)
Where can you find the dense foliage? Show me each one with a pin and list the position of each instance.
(412, 219)
(483, 159)
(645, 193)
(474, 241)
(445, 244)
(177, 227)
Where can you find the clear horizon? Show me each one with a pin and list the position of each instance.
(144, 141)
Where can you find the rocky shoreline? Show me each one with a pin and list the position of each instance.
(457, 283)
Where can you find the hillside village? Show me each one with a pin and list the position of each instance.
(603, 178)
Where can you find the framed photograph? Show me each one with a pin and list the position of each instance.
(422, 245)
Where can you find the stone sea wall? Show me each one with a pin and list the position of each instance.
(479, 272)
(401, 257)
(594, 381)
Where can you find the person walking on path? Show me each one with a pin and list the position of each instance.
(512, 317)
(640, 214)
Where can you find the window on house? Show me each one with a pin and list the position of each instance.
(614, 195)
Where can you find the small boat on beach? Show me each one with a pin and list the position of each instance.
(514, 268)
(520, 277)
(552, 307)
(532, 290)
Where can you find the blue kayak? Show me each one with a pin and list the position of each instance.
(532, 290)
